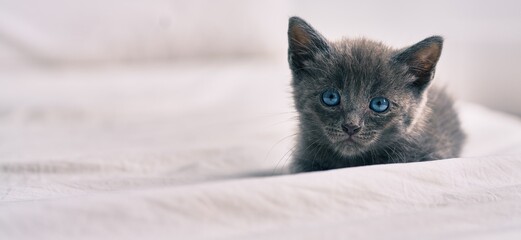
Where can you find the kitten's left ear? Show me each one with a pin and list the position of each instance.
(304, 43)
(421, 59)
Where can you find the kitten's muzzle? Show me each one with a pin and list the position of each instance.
(351, 129)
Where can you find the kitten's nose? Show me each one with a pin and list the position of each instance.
(351, 129)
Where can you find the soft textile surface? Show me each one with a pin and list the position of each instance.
(196, 151)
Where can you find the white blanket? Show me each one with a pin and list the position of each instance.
(196, 151)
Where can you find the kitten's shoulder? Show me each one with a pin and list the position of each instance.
(444, 124)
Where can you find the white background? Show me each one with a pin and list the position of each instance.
(479, 62)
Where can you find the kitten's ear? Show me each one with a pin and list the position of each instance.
(304, 43)
(421, 59)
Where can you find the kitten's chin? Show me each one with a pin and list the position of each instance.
(349, 146)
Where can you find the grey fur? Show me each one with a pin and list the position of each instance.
(421, 123)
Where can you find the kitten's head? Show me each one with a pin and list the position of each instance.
(358, 95)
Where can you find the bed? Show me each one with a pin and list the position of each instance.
(200, 151)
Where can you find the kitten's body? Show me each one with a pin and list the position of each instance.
(420, 124)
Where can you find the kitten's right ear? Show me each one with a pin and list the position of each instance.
(304, 43)
(421, 60)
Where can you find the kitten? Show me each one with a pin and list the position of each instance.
(360, 102)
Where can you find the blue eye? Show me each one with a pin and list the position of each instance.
(331, 98)
(379, 104)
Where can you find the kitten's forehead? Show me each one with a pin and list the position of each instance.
(363, 64)
(361, 56)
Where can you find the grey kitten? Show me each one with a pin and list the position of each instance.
(360, 102)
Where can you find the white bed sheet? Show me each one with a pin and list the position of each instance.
(188, 151)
